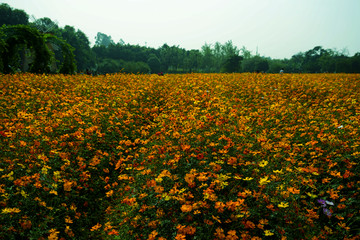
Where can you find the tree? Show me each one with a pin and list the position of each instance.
(192, 60)
(275, 65)
(84, 57)
(154, 63)
(46, 25)
(207, 58)
(136, 67)
(110, 66)
(255, 64)
(245, 53)
(311, 62)
(10, 16)
(232, 64)
(103, 40)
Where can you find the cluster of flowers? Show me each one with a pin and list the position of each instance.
(192, 156)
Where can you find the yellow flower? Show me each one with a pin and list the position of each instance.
(10, 210)
(158, 179)
(263, 163)
(166, 197)
(283, 205)
(248, 179)
(264, 181)
(268, 233)
(68, 219)
(311, 195)
(53, 192)
(53, 234)
(278, 171)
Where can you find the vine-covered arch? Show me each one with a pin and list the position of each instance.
(15, 39)
(67, 61)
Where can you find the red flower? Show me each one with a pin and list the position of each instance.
(2, 133)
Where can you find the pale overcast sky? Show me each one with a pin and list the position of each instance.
(277, 28)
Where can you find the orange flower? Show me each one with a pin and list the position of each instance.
(180, 237)
(67, 185)
(333, 194)
(202, 177)
(53, 234)
(186, 208)
(219, 233)
(341, 206)
(294, 190)
(96, 227)
(249, 224)
(189, 178)
(153, 235)
(232, 235)
(219, 206)
(343, 225)
(113, 232)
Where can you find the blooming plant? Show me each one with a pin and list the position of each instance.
(192, 156)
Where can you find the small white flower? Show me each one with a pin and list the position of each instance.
(341, 126)
(329, 203)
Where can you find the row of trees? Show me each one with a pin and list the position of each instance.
(106, 56)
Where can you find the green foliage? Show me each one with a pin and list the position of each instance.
(46, 25)
(103, 40)
(255, 64)
(84, 57)
(108, 65)
(232, 64)
(154, 63)
(136, 67)
(67, 60)
(10, 16)
(18, 38)
(2, 50)
(276, 65)
(20, 44)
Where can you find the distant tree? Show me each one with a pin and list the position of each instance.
(192, 60)
(46, 25)
(232, 64)
(136, 67)
(207, 63)
(10, 16)
(295, 64)
(355, 63)
(103, 40)
(165, 57)
(311, 62)
(275, 65)
(154, 63)
(110, 66)
(78, 40)
(245, 53)
(255, 64)
(222, 53)
(2, 49)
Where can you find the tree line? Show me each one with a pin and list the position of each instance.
(68, 50)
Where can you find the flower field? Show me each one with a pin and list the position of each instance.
(192, 156)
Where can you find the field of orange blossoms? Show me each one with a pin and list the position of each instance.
(193, 156)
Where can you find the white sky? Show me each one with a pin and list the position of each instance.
(278, 28)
